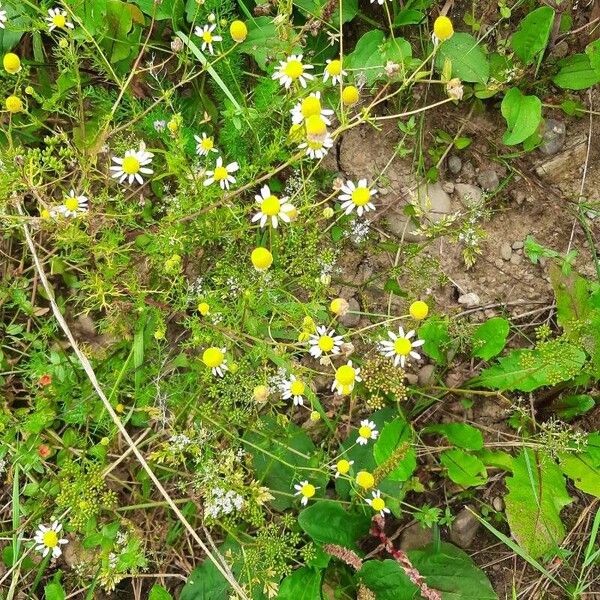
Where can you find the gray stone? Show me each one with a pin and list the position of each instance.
(517, 245)
(516, 259)
(351, 319)
(469, 300)
(499, 263)
(464, 528)
(505, 251)
(412, 378)
(488, 179)
(553, 139)
(454, 164)
(448, 187)
(498, 503)
(564, 165)
(469, 195)
(468, 170)
(416, 537)
(426, 375)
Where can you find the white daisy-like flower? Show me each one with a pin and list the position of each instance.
(57, 19)
(342, 467)
(400, 346)
(333, 69)
(294, 388)
(324, 342)
(317, 148)
(132, 165)
(273, 208)
(205, 144)
(206, 33)
(47, 540)
(367, 431)
(346, 377)
(3, 18)
(73, 205)
(357, 197)
(306, 490)
(222, 174)
(291, 70)
(377, 503)
(214, 359)
(308, 107)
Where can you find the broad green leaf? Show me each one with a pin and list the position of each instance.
(280, 457)
(584, 467)
(366, 57)
(593, 52)
(532, 35)
(15, 25)
(528, 370)
(451, 571)
(463, 468)
(302, 584)
(469, 62)
(572, 298)
(523, 116)
(489, 338)
(166, 9)
(573, 405)
(435, 333)
(158, 592)
(576, 73)
(326, 522)
(461, 435)
(395, 434)
(497, 459)
(54, 591)
(408, 16)
(315, 9)
(536, 495)
(387, 580)
(262, 41)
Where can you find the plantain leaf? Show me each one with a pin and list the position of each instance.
(523, 116)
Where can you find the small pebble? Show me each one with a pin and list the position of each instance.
(454, 164)
(448, 187)
(505, 251)
(516, 259)
(469, 300)
(488, 179)
(517, 245)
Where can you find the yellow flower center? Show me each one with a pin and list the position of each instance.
(131, 165)
(345, 375)
(59, 20)
(343, 466)
(292, 213)
(238, 31)
(207, 37)
(315, 125)
(365, 432)
(308, 490)
(326, 343)
(270, 206)
(220, 173)
(443, 29)
(297, 388)
(50, 539)
(360, 196)
(261, 258)
(213, 357)
(378, 504)
(350, 95)
(365, 480)
(12, 63)
(310, 106)
(72, 203)
(334, 67)
(293, 69)
(203, 308)
(418, 310)
(402, 346)
(207, 143)
(13, 104)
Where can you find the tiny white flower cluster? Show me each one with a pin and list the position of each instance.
(359, 231)
(223, 503)
(179, 442)
(2, 465)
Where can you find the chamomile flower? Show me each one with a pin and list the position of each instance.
(306, 490)
(206, 33)
(346, 377)
(324, 342)
(132, 166)
(3, 18)
(377, 503)
(214, 359)
(272, 208)
(295, 389)
(47, 540)
(309, 107)
(400, 345)
(317, 148)
(205, 144)
(222, 174)
(73, 205)
(367, 431)
(333, 69)
(291, 70)
(57, 19)
(357, 197)
(342, 467)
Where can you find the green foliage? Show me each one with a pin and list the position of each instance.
(536, 496)
(396, 434)
(576, 73)
(387, 580)
(302, 584)
(583, 467)
(460, 435)
(467, 59)
(464, 469)
(489, 338)
(532, 35)
(523, 116)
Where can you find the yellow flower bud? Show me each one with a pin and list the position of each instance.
(315, 416)
(203, 308)
(120, 408)
(418, 310)
(238, 31)
(339, 307)
(328, 212)
(443, 28)
(350, 95)
(12, 63)
(261, 393)
(303, 336)
(261, 258)
(13, 104)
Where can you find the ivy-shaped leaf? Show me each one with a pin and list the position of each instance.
(523, 116)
